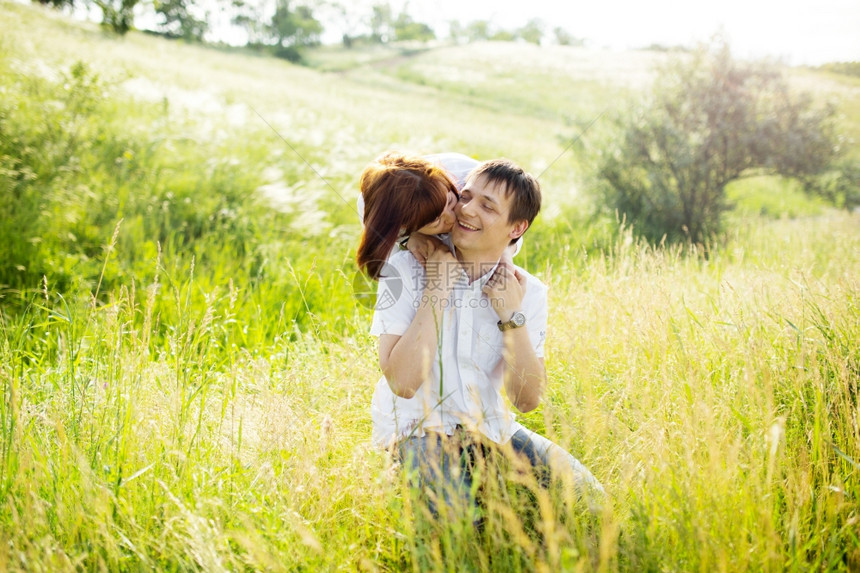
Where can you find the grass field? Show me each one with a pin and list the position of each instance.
(186, 375)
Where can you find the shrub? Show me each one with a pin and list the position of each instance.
(710, 120)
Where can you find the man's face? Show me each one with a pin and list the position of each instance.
(482, 218)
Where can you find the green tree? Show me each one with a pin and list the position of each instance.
(179, 19)
(711, 120)
(308, 28)
(293, 29)
(282, 27)
(56, 3)
(405, 28)
(503, 35)
(118, 15)
(839, 185)
(565, 38)
(478, 30)
(381, 23)
(248, 15)
(532, 32)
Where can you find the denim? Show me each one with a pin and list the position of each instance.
(549, 458)
(442, 467)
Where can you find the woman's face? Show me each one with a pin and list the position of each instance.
(444, 222)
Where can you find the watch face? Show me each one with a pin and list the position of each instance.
(517, 320)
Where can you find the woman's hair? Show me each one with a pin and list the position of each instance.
(402, 193)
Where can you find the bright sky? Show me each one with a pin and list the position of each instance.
(797, 31)
(801, 32)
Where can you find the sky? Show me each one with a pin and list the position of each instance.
(799, 32)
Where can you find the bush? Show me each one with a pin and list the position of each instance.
(844, 68)
(710, 120)
(45, 129)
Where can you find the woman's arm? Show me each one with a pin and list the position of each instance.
(406, 360)
(421, 245)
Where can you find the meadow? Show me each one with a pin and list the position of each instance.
(186, 372)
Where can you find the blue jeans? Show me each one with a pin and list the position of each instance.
(442, 466)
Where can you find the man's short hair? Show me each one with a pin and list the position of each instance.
(521, 186)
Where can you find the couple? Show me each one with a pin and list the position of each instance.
(459, 324)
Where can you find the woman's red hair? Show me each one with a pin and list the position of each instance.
(402, 193)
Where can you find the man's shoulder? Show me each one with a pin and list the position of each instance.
(533, 283)
(402, 266)
(403, 259)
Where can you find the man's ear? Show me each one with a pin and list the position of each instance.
(518, 229)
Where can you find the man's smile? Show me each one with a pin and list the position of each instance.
(467, 226)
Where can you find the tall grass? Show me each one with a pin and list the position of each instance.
(721, 396)
(716, 400)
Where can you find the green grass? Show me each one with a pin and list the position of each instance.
(186, 375)
(714, 399)
(773, 197)
(339, 59)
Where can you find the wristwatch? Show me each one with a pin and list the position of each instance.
(517, 320)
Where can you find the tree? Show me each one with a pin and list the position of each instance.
(291, 30)
(840, 184)
(711, 120)
(405, 28)
(178, 19)
(532, 32)
(346, 18)
(381, 23)
(478, 30)
(118, 15)
(565, 38)
(502, 35)
(249, 15)
(308, 28)
(56, 3)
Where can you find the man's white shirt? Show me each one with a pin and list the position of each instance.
(465, 384)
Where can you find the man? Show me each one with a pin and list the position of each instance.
(454, 332)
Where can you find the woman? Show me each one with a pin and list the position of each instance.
(405, 194)
(410, 196)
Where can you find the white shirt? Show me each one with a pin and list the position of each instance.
(465, 384)
(457, 165)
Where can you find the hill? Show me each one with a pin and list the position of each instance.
(487, 99)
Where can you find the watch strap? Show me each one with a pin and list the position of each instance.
(517, 320)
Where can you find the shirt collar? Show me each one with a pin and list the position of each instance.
(482, 280)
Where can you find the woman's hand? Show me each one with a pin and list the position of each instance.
(506, 290)
(421, 245)
(443, 270)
